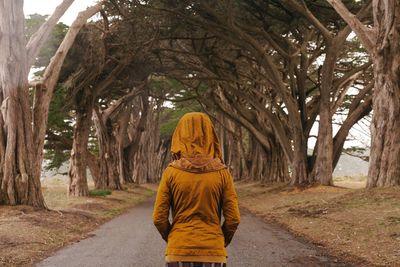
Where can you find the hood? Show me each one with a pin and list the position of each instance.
(195, 146)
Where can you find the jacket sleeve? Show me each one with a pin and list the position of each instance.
(230, 209)
(161, 208)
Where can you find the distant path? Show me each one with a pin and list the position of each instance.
(132, 240)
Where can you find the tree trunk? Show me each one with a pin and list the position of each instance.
(139, 122)
(149, 158)
(299, 165)
(384, 168)
(261, 131)
(94, 167)
(108, 152)
(78, 185)
(121, 135)
(267, 165)
(234, 153)
(19, 185)
(323, 162)
(142, 160)
(383, 44)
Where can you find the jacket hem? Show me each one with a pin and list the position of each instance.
(195, 252)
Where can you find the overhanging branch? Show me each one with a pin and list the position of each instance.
(40, 36)
(365, 35)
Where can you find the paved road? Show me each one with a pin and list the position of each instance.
(132, 240)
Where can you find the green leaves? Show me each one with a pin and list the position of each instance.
(171, 116)
(60, 120)
(60, 124)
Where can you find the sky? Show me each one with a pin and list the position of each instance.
(46, 7)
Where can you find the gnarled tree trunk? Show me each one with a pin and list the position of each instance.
(109, 145)
(94, 167)
(78, 185)
(267, 165)
(149, 158)
(383, 44)
(323, 164)
(384, 168)
(299, 166)
(18, 184)
(138, 123)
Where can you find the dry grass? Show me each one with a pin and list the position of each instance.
(28, 235)
(356, 182)
(356, 224)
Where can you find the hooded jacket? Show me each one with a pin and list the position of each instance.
(197, 188)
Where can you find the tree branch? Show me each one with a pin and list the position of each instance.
(40, 36)
(303, 9)
(45, 92)
(124, 99)
(365, 35)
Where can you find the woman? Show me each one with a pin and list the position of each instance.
(198, 187)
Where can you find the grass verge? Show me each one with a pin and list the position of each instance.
(28, 235)
(353, 224)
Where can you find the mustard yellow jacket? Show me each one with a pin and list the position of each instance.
(197, 188)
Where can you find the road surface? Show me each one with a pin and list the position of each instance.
(132, 240)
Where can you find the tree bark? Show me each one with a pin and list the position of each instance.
(109, 144)
(78, 185)
(323, 164)
(19, 185)
(112, 130)
(267, 165)
(94, 167)
(383, 44)
(149, 157)
(299, 165)
(384, 168)
(139, 122)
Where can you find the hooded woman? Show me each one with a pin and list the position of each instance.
(198, 188)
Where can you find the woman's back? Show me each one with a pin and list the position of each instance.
(197, 201)
(197, 188)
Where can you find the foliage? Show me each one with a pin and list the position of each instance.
(170, 117)
(182, 101)
(55, 158)
(359, 152)
(60, 127)
(60, 120)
